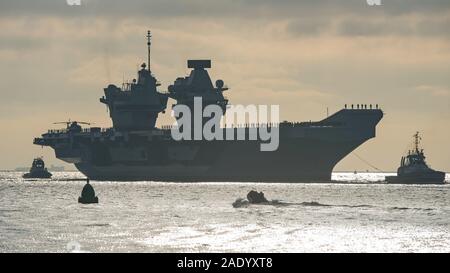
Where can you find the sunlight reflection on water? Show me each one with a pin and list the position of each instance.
(361, 215)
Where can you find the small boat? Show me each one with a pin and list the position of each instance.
(255, 197)
(414, 170)
(38, 170)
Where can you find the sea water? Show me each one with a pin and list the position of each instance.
(354, 213)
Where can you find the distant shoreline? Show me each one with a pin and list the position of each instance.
(447, 172)
(16, 171)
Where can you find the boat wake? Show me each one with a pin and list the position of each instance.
(243, 203)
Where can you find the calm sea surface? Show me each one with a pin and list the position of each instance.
(356, 213)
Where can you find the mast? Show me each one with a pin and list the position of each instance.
(149, 36)
(416, 141)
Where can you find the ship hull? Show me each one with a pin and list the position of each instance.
(418, 178)
(38, 175)
(307, 152)
(299, 160)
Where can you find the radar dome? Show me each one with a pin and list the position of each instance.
(219, 84)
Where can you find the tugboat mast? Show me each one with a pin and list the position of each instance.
(149, 36)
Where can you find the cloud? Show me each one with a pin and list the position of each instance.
(20, 43)
(404, 26)
(219, 8)
(302, 18)
(359, 26)
(309, 26)
(437, 91)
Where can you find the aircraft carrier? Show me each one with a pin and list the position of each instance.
(134, 149)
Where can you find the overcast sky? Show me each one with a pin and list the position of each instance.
(303, 55)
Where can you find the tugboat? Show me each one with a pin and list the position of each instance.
(414, 170)
(38, 170)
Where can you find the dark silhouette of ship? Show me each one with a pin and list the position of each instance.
(134, 149)
(414, 170)
(38, 170)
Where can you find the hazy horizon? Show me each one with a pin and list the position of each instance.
(305, 56)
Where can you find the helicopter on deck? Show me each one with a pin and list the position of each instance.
(73, 126)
